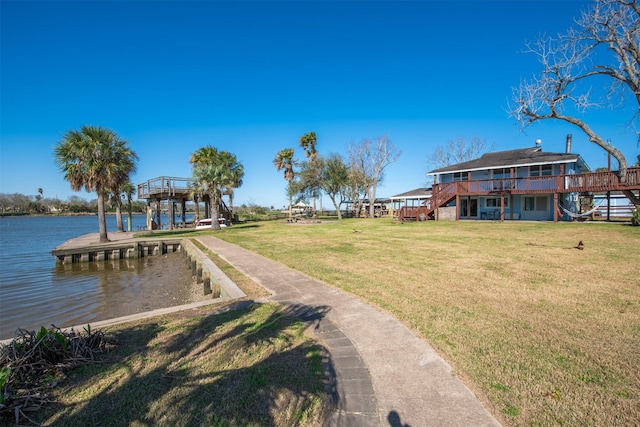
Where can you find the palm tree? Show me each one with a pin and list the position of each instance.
(214, 172)
(236, 173)
(115, 201)
(39, 199)
(308, 142)
(121, 179)
(201, 156)
(96, 159)
(284, 161)
(128, 190)
(197, 192)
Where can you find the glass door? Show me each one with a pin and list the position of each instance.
(468, 208)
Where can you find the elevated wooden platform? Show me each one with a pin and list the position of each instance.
(173, 190)
(165, 188)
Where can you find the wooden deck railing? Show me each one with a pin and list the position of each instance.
(163, 186)
(444, 193)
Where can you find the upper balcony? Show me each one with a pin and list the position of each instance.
(572, 183)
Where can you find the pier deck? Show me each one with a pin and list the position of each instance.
(122, 245)
(87, 248)
(93, 239)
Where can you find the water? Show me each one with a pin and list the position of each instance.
(35, 291)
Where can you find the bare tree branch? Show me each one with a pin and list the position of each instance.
(371, 157)
(602, 45)
(457, 151)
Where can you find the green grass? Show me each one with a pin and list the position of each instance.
(544, 333)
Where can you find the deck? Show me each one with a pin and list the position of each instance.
(595, 182)
(166, 187)
(122, 246)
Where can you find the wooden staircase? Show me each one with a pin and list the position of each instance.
(441, 194)
(224, 211)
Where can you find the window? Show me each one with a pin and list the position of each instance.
(538, 203)
(494, 202)
(529, 203)
(461, 176)
(541, 170)
(501, 173)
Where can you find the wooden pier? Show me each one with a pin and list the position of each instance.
(117, 250)
(124, 246)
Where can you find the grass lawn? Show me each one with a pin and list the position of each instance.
(544, 333)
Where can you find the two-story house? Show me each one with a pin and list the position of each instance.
(527, 184)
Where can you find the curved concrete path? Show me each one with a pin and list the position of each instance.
(385, 374)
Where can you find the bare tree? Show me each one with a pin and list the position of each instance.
(602, 46)
(355, 187)
(371, 157)
(458, 151)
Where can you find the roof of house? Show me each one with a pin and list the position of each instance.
(512, 158)
(418, 193)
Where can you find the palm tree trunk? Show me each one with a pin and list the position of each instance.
(129, 213)
(119, 216)
(290, 201)
(102, 220)
(197, 202)
(215, 203)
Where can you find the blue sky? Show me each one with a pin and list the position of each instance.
(252, 77)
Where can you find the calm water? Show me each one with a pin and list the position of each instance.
(35, 291)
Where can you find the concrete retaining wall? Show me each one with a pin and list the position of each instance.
(213, 280)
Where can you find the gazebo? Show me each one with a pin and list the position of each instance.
(413, 198)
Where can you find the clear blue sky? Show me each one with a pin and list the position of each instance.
(252, 77)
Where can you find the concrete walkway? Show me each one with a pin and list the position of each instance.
(386, 375)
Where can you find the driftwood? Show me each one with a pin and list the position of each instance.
(33, 362)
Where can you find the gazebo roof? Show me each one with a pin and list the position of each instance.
(418, 193)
